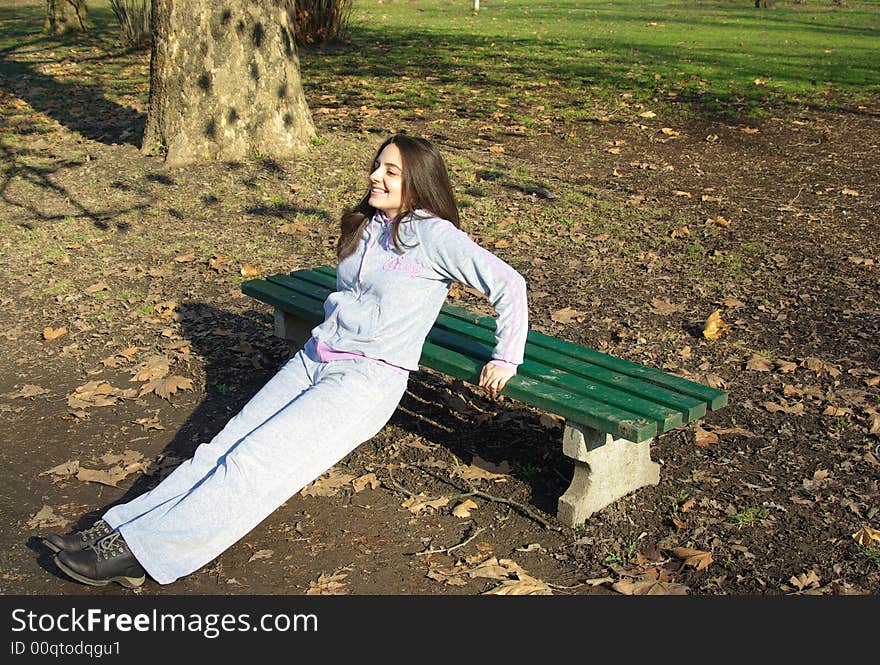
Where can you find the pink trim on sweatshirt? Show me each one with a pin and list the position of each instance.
(325, 354)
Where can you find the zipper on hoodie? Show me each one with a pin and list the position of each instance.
(358, 283)
(364, 255)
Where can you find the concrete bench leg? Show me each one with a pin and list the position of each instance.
(295, 330)
(605, 469)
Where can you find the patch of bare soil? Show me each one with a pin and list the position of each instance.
(127, 342)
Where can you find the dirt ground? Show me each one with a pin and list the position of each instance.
(642, 231)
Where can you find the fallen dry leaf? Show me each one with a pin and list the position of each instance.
(248, 270)
(480, 469)
(515, 580)
(733, 430)
(329, 484)
(421, 502)
(714, 325)
(566, 315)
(650, 587)
(46, 518)
(154, 367)
(831, 410)
(846, 191)
(490, 568)
(100, 286)
(819, 366)
(261, 554)
(464, 508)
(759, 363)
(867, 537)
(664, 307)
(786, 366)
(552, 421)
(695, 558)
(749, 130)
(453, 575)
(715, 381)
(679, 192)
(27, 390)
(126, 458)
(808, 580)
(216, 262)
(292, 228)
(109, 477)
(773, 407)
(95, 393)
(704, 438)
(50, 333)
(328, 585)
(166, 387)
(647, 114)
(64, 469)
(361, 483)
(149, 423)
(166, 309)
(529, 586)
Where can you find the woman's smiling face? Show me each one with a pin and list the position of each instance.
(386, 181)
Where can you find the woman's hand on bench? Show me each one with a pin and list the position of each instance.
(494, 377)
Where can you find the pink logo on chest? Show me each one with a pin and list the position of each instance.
(410, 267)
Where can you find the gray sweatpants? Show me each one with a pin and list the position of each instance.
(303, 421)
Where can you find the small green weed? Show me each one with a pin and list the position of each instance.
(871, 553)
(622, 558)
(679, 500)
(751, 516)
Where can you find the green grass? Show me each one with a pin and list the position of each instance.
(523, 52)
(521, 62)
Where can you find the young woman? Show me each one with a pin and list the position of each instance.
(399, 252)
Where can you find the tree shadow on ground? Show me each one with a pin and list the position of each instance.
(23, 165)
(81, 107)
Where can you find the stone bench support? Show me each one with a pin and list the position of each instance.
(295, 330)
(605, 469)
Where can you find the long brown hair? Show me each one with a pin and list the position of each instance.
(426, 186)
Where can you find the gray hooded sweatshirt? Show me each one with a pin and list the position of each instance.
(386, 301)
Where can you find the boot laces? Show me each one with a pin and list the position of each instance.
(100, 528)
(110, 546)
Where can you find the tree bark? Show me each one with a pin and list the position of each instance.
(65, 16)
(225, 82)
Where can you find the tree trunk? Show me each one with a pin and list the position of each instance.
(225, 82)
(65, 15)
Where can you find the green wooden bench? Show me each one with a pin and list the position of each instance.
(612, 407)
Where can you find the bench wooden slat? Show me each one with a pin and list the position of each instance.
(281, 297)
(714, 399)
(620, 422)
(549, 378)
(601, 416)
(669, 408)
